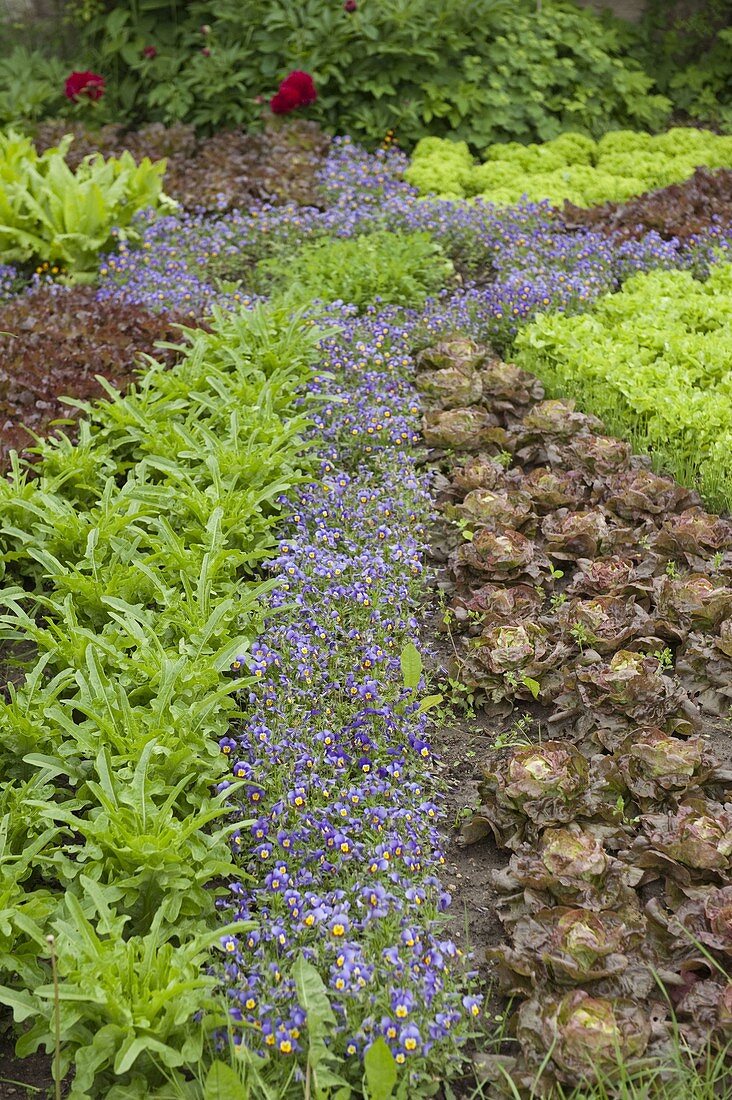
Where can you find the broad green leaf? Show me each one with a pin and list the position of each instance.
(380, 1070)
(224, 1083)
(533, 685)
(411, 663)
(133, 1047)
(312, 996)
(21, 1003)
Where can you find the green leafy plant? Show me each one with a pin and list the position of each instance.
(53, 334)
(31, 86)
(157, 861)
(687, 49)
(370, 65)
(704, 88)
(570, 168)
(130, 587)
(653, 362)
(48, 212)
(398, 268)
(664, 657)
(485, 70)
(125, 1005)
(517, 736)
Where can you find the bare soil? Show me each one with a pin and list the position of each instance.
(24, 1078)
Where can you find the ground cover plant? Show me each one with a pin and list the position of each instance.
(513, 263)
(571, 168)
(584, 588)
(396, 269)
(345, 828)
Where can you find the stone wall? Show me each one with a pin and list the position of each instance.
(30, 10)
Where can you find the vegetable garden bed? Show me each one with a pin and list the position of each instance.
(223, 577)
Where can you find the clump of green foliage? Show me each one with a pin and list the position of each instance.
(653, 361)
(50, 213)
(703, 89)
(31, 86)
(572, 167)
(393, 268)
(688, 50)
(484, 70)
(129, 563)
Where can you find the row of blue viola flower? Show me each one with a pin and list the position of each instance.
(344, 852)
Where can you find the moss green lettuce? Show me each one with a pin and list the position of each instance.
(572, 167)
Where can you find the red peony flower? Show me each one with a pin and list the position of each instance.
(284, 101)
(206, 51)
(149, 52)
(302, 84)
(350, 5)
(87, 84)
(296, 90)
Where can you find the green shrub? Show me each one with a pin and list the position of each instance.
(655, 363)
(31, 86)
(48, 212)
(688, 50)
(573, 167)
(704, 88)
(484, 70)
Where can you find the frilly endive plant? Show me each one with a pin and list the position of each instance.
(653, 362)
